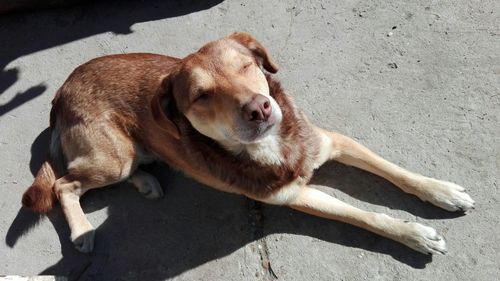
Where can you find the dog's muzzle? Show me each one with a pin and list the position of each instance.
(259, 116)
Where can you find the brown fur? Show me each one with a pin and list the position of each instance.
(40, 197)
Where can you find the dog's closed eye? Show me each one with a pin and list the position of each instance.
(246, 66)
(201, 96)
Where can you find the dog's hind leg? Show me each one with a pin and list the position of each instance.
(146, 184)
(414, 235)
(446, 195)
(69, 190)
(83, 175)
(96, 157)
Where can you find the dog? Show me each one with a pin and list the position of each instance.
(220, 117)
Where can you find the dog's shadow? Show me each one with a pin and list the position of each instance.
(193, 224)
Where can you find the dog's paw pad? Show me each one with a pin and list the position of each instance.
(85, 242)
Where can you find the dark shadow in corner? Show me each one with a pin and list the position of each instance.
(8, 78)
(30, 32)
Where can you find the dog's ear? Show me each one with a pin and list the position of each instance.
(261, 54)
(160, 101)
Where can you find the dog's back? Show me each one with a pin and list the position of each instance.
(117, 83)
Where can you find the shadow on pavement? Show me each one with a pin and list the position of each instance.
(21, 98)
(193, 224)
(39, 150)
(29, 32)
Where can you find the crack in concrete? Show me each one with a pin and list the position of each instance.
(256, 222)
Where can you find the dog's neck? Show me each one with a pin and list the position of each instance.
(266, 151)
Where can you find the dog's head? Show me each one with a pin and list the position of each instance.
(223, 92)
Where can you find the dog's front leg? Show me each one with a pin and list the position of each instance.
(446, 195)
(414, 235)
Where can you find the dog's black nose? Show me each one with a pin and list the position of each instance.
(258, 109)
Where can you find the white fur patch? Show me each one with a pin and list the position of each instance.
(232, 58)
(267, 150)
(203, 78)
(285, 195)
(325, 152)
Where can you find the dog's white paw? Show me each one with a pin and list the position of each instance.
(446, 195)
(147, 185)
(84, 242)
(422, 238)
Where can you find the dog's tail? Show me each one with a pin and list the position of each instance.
(40, 196)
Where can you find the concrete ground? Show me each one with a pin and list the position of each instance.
(416, 81)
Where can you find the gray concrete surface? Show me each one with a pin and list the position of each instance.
(437, 113)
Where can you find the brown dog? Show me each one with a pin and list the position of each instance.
(217, 117)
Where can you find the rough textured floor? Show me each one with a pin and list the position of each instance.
(416, 81)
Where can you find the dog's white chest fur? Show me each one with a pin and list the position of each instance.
(266, 151)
